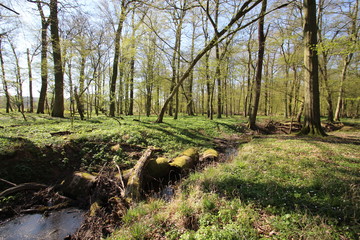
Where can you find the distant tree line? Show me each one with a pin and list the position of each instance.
(195, 57)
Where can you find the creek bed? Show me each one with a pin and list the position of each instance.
(52, 225)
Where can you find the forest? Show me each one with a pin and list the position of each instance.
(188, 119)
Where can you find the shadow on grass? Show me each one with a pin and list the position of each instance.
(235, 128)
(333, 201)
(193, 136)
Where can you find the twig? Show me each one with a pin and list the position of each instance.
(8, 182)
(122, 188)
(22, 187)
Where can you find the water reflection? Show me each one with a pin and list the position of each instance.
(54, 225)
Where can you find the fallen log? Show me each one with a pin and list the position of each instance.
(22, 187)
(187, 159)
(78, 186)
(133, 189)
(158, 168)
(209, 155)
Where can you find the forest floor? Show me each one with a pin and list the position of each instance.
(277, 187)
(274, 185)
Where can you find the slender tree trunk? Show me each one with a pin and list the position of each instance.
(341, 90)
(190, 104)
(44, 68)
(58, 108)
(116, 59)
(312, 123)
(218, 63)
(354, 31)
(31, 100)
(325, 76)
(261, 39)
(5, 84)
(19, 90)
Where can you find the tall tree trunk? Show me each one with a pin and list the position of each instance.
(31, 109)
(341, 90)
(312, 123)
(247, 102)
(44, 68)
(4, 82)
(131, 86)
(218, 64)
(190, 104)
(116, 59)
(58, 108)
(261, 39)
(354, 10)
(19, 90)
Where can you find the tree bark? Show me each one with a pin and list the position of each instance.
(262, 39)
(58, 107)
(5, 84)
(44, 68)
(133, 188)
(312, 123)
(116, 59)
(31, 109)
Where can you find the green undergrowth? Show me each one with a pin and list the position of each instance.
(43, 146)
(278, 187)
(171, 135)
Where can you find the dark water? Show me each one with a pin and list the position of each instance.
(54, 225)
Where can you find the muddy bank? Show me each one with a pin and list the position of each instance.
(105, 198)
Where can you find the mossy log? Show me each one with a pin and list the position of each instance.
(193, 153)
(182, 162)
(133, 188)
(158, 168)
(78, 185)
(209, 155)
(187, 160)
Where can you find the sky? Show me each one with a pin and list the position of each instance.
(26, 28)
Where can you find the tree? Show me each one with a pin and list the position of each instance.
(353, 35)
(29, 61)
(19, 89)
(44, 48)
(262, 38)
(58, 108)
(4, 82)
(123, 13)
(218, 37)
(312, 123)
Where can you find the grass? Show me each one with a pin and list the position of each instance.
(278, 187)
(172, 135)
(29, 149)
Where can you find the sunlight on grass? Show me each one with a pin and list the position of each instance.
(277, 188)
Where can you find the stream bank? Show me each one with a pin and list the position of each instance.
(106, 204)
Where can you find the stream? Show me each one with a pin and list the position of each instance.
(59, 224)
(50, 226)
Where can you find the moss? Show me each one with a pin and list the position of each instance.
(79, 185)
(158, 168)
(86, 176)
(210, 154)
(94, 208)
(191, 152)
(183, 162)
